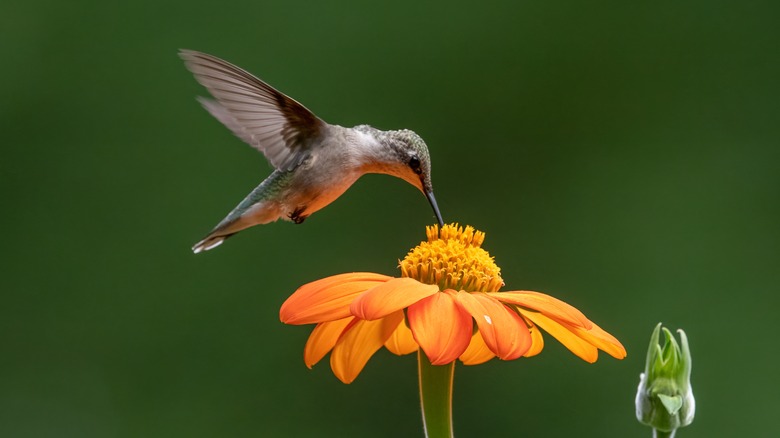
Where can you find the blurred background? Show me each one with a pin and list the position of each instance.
(621, 157)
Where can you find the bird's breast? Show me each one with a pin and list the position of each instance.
(315, 188)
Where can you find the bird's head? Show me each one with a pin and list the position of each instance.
(413, 164)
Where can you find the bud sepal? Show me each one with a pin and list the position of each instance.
(664, 399)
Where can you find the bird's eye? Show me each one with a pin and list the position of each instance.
(414, 163)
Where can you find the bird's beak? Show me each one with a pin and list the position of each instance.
(432, 200)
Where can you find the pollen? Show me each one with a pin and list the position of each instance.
(453, 258)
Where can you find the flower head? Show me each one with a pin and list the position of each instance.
(446, 302)
(664, 399)
(453, 259)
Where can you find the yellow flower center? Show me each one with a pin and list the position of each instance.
(453, 259)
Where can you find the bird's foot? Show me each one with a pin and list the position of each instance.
(296, 217)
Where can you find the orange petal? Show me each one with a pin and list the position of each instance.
(389, 297)
(562, 332)
(327, 299)
(601, 339)
(503, 330)
(440, 327)
(401, 340)
(544, 303)
(537, 342)
(356, 346)
(478, 352)
(322, 339)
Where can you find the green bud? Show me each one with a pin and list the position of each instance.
(664, 399)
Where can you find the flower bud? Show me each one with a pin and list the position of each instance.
(664, 399)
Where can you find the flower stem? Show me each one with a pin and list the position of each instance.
(435, 396)
(661, 434)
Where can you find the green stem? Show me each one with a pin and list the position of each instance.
(435, 396)
(661, 434)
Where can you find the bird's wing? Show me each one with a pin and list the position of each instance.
(276, 125)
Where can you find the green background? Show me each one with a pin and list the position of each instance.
(621, 156)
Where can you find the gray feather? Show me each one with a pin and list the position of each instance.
(260, 206)
(276, 125)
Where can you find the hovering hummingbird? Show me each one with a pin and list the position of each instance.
(315, 162)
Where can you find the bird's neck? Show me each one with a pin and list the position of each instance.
(378, 149)
(383, 152)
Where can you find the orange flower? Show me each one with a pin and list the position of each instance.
(446, 284)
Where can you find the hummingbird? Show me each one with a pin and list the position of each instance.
(314, 162)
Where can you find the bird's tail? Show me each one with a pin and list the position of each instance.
(255, 209)
(242, 217)
(211, 241)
